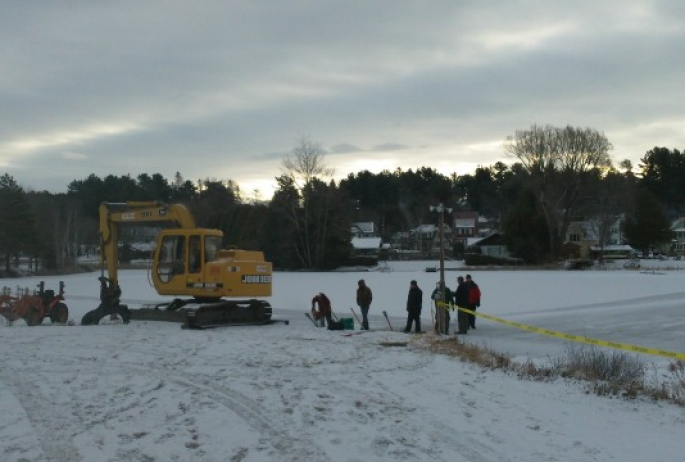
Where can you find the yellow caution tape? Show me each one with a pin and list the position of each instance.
(575, 338)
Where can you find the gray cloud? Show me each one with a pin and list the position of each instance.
(345, 148)
(389, 147)
(225, 89)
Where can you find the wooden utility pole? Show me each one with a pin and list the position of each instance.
(441, 310)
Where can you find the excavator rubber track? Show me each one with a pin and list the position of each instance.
(197, 314)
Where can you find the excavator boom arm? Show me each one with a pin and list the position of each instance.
(114, 213)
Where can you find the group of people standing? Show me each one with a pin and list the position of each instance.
(467, 295)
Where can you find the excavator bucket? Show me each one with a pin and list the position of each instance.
(112, 310)
(110, 304)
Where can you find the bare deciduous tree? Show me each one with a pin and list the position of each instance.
(558, 160)
(304, 166)
(305, 163)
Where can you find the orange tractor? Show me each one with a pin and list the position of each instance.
(33, 308)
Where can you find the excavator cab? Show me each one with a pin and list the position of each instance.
(191, 262)
(181, 255)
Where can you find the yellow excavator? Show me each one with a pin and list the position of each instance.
(187, 262)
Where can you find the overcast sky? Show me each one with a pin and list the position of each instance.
(224, 89)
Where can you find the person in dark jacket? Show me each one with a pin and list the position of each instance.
(364, 298)
(414, 305)
(321, 309)
(474, 299)
(461, 300)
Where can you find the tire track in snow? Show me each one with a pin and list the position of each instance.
(51, 424)
(388, 407)
(295, 448)
(464, 445)
(290, 448)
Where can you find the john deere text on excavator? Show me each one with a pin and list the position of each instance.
(188, 261)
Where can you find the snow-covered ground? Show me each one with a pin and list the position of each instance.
(153, 392)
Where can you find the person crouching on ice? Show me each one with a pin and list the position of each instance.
(321, 309)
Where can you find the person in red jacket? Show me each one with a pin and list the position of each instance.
(474, 299)
(321, 309)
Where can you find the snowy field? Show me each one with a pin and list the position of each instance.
(153, 392)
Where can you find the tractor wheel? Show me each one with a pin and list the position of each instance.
(59, 313)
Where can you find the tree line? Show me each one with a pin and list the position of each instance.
(557, 175)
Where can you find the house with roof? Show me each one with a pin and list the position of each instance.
(492, 245)
(616, 236)
(678, 243)
(580, 236)
(364, 240)
(362, 228)
(367, 246)
(612, 251)
(426, 238)
(465, 225)
(582, 240)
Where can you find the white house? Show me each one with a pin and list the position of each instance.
(366, 245)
